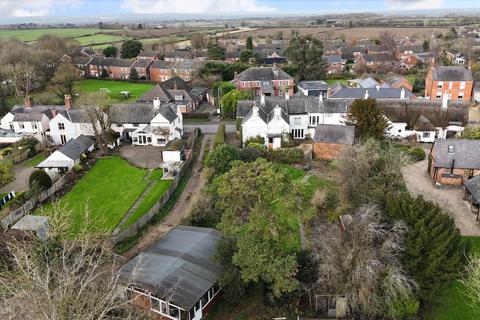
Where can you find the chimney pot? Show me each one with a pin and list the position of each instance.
(262, 99)
(366, 94)
(28, 102)
(156, 102)
(68, 102)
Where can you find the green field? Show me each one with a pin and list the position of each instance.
(34, 34)
(99, 38)
(115, 87)
(453, 304)
(107, 191)
(151, 198)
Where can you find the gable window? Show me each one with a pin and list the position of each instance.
(61, 126)
(440, 85)
(161, 141)
(426, 135)
(297, 133)
(135, 125)
(462, 85)
(179, 97)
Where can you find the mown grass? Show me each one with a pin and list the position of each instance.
(453, 304)
(106, 192)
(32, 162)
(99, 39)
(115, 87)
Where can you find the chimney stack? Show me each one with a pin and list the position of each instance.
(262, 99)
(28, 102)
(287, 96)
(156, 103)
(402, 93)
(366, 94)
(320, 97)
(175, 85)
(68, 102)
(445, 98)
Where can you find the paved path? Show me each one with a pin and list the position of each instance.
(21, 172)
(181, 209)
(148, 157)
(209, 127)
(419, 183)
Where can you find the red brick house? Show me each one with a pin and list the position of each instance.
(269, 81)
(119, 69)
(375, 61)
(335, 64)
(143, 68)
(330, 140)
(394, 80)
(454, 161)
(149, 55)
(455, 82)
(161, 70)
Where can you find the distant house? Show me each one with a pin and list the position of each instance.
(161, 70)
(177, 277)
(177, 91)
(31, 120)
(70, 124)
(454, 161)
(368, 82)
(270, 81)
(63, 159)
(88, 52)
(330, 140)
(335, 64)
(313, 88)
(149, 55)
(378, 49)
(456, 57)
(119, 69)
(394, 80)
(152, 124)
(81, 63)
(454, 83)
(178, 55)
(376, 61)
(142, 66)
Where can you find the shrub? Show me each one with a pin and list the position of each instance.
(287, 156)
(220, 135)
(28, 144)
(417, 154)
(249, 154)
(255, 140)
(77, 168)
(221, 158)
(39, 179)
(6, 151)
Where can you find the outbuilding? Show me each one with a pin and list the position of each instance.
(330, 140)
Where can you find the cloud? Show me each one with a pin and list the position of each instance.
(195, 6)
(414, 4)
(34, 8)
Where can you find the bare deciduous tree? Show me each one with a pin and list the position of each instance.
(362, 263)
(471, 281)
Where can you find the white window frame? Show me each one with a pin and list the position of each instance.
(440, 85)
(61, 126)
(461, 95)
(450, 85)
(462, 85)
(439, 95)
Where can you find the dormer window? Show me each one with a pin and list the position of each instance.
(450, 149)
(179, 97)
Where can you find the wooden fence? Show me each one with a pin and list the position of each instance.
(27, 208)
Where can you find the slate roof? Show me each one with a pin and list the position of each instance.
(76, 116)
(267, 116)
(313, 85)
(35, 113)
(81, 61)
(380, 57)
(116, 62)
(298, 104)
(180, 267)
(465, 155)
(368, 82)
(166, 93)
(334, 134)
(142, 63)
(473, 186)
(449, 73)
(139, 113)
(147, 54)
(74, 148)
(377, 48)
(161, 64)
(380, 93)
(333, 58)
(264, 73)
(178, 82)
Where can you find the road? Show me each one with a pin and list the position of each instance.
(208, 127)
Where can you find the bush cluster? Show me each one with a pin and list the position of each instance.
(284, 155)
(220, 136)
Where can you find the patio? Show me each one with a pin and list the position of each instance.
(147, 157)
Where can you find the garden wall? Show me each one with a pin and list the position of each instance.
(27, 208)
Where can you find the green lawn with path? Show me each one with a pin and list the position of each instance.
(35, 34)
(453, 304)
(151, 198)
(115, 87)
(108, 190)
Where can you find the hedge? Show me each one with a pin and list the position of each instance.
(220, 136)
(287, 155)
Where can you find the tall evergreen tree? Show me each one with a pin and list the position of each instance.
(249, 44)
(433, 247)
(306, 53)
(368, 119)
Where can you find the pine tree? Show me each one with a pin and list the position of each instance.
(368, 119)
(249, 44)
(433, 247)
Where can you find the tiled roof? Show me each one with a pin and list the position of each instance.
(334, 134)
(264, 73)
(464, 153)
(449, 73)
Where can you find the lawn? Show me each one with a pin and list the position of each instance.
(334, 81)
(453, 304)
(34, 34)
(115, 87)
(108, 190)
(151, 198)
(32, 162)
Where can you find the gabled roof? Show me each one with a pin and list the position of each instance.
(141, 63)
(167, 90)
(264, 73)
(265, 115)
(161, 64)
(35, 113)
(147, 54)
(76, 116)
(464, 153)
(140, 113)
(368, 82)
(473, 186)
(377, 93)
(381, 57)
(336, 58)
(449, 73)
(81, 61)
(313, 85)
(180, 267)
(423, 124)
(334, 134)
(76, 147)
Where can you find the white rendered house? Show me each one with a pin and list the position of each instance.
(70, 124)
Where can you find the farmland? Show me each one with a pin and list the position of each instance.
(34, 34)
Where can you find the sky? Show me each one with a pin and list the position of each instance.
(97, 8)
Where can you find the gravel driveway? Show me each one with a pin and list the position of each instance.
(419, 183)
